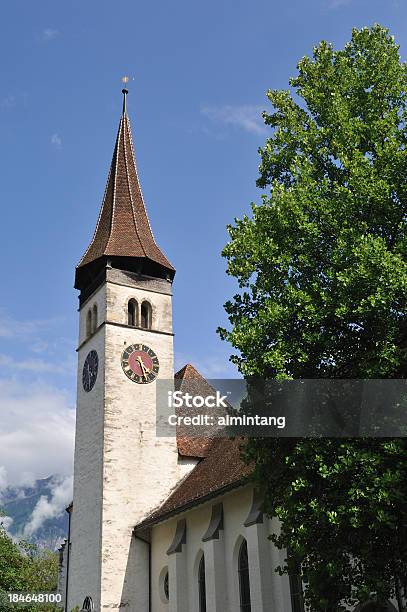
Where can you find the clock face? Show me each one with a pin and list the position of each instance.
(140, 363)
(90, 371)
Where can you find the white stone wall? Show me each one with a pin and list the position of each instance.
(118, 297)
(86, 525)
(273, 595)
(161, 539)
(98, 299)
(139, 469)
(122, 471)
(269, 591)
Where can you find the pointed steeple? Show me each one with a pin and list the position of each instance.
(123, 237)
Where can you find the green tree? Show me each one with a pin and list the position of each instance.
(42, 570)
(25, 567)
(321, 266)
(12, 564)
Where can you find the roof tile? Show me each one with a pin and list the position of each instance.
(189, 379)
(123, 228)
(221, 469)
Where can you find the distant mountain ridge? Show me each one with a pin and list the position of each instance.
(19, 503)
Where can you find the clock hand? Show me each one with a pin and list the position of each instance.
(143, 367)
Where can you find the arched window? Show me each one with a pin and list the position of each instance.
(146, 315)
(244, 582)
(297, 599)
(88, 323)
(87, 605)
(166, 587)
(296, 592)
(201, 585)
(95, 318)
(132, 314)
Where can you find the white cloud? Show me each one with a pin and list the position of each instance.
(50, 34)
(6, 522)
(37, 424)
(3, 479)
(45, 340)
(61, 494)
(246, 117)
(27, 479)
(33, 365)
(13, 328)
(56, 141)
(39, 346)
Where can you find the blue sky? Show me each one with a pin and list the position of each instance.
(198, 76)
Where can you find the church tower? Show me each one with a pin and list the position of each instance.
(122, 471)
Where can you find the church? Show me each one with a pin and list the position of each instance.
(157, 524)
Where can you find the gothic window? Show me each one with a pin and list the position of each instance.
(94, 318)
(87, 605)
(88, 323)
(201, 585)
(244, 582)
(132, 313)
(297, 599)
(166, 587)
(146, 315)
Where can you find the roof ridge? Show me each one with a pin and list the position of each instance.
(204, 482)
(185, 368)
(116, 152)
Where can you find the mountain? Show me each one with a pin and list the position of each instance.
(38, 511)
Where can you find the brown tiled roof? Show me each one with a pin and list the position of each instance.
(192, 446)
(188, 372)
(123, 228)
(220, 471)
